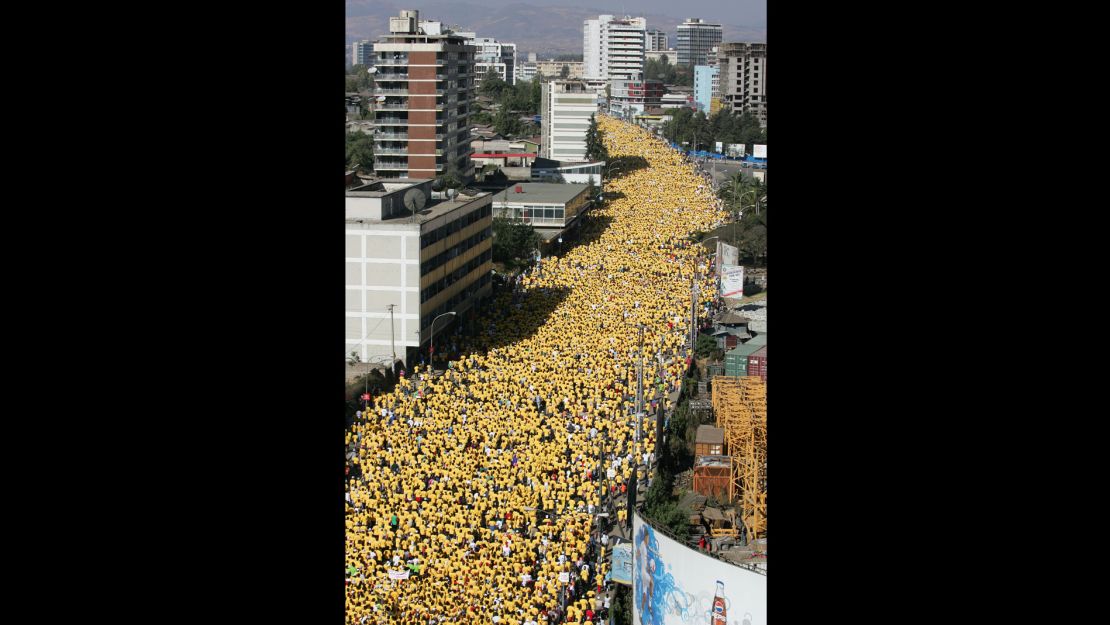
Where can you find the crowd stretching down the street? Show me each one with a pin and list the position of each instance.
(471, 491)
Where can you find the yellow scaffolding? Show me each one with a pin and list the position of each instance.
(740, 408)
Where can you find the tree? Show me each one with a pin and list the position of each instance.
(535, 96)
(753, 243)
(450, 179)
(360, 151)
(705, 346)
(513, 239)
(595, 142)
(492, 85)
(362, 78)
(505, 122)
(591, 192)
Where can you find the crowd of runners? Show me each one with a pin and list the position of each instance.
(474, 495)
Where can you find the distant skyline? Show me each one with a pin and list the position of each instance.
(738, 12)
(555, 26)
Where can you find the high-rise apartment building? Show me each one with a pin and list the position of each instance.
(704, 81)
(656, 40)
(423, 87)
(492, 54)
(695, 39)
(362, 52)
(744, 78)
(565, 110)
(614, 48)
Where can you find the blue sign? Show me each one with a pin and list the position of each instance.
(622, 564)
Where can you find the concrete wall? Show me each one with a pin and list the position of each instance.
(382, 268)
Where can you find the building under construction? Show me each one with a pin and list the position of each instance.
(740, 407)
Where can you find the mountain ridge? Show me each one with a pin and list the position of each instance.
(546, 30)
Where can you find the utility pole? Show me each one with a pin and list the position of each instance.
(392, 344)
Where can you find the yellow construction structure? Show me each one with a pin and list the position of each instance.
(740, 407)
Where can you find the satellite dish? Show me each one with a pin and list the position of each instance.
(372, 70)
(451, 193)
(415, 199)
(380, 98)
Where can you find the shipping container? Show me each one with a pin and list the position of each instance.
(757, 363)
(736, 361)
(713, 480)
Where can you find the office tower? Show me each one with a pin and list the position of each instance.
(695, 39)
(656, 40)
(362, 52)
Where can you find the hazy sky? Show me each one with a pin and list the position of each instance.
(747, 12)
(736, 12)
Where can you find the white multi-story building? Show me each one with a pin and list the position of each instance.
(656, 40)
(565, 110)
(614, 48)
(493, 54)
(421, 265)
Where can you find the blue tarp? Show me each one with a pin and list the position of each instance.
(717, 155)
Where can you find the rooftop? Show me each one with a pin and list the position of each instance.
(730, 317)
(541, 192)
(711, 435)
(380, 188)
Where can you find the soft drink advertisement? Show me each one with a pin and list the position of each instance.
(674, 584)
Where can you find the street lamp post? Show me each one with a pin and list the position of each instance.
(432, 359)
(694, 300)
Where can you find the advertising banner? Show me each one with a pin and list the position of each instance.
(675, 585)
(622, 564)
(399, 574)
(729, 255)
(732, 281)
(759, 150)
(720, 147)
(737, 149)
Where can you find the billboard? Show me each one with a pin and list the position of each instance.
(728, 255)
(737, 149)
(675, 585)
(622, 564)
(760, 175)
(720, 147)
(732, 281)
(759, 150)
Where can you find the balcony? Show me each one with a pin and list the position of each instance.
(391, 121)
(391, 136)
(392, 151)
(379, 91)
(392, 107)
(386, 76)
(381, 62)
(384, 165)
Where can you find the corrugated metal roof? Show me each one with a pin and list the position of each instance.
(746, 349)
(731, 317)
(710, 435)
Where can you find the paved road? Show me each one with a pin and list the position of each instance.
(723, 170)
